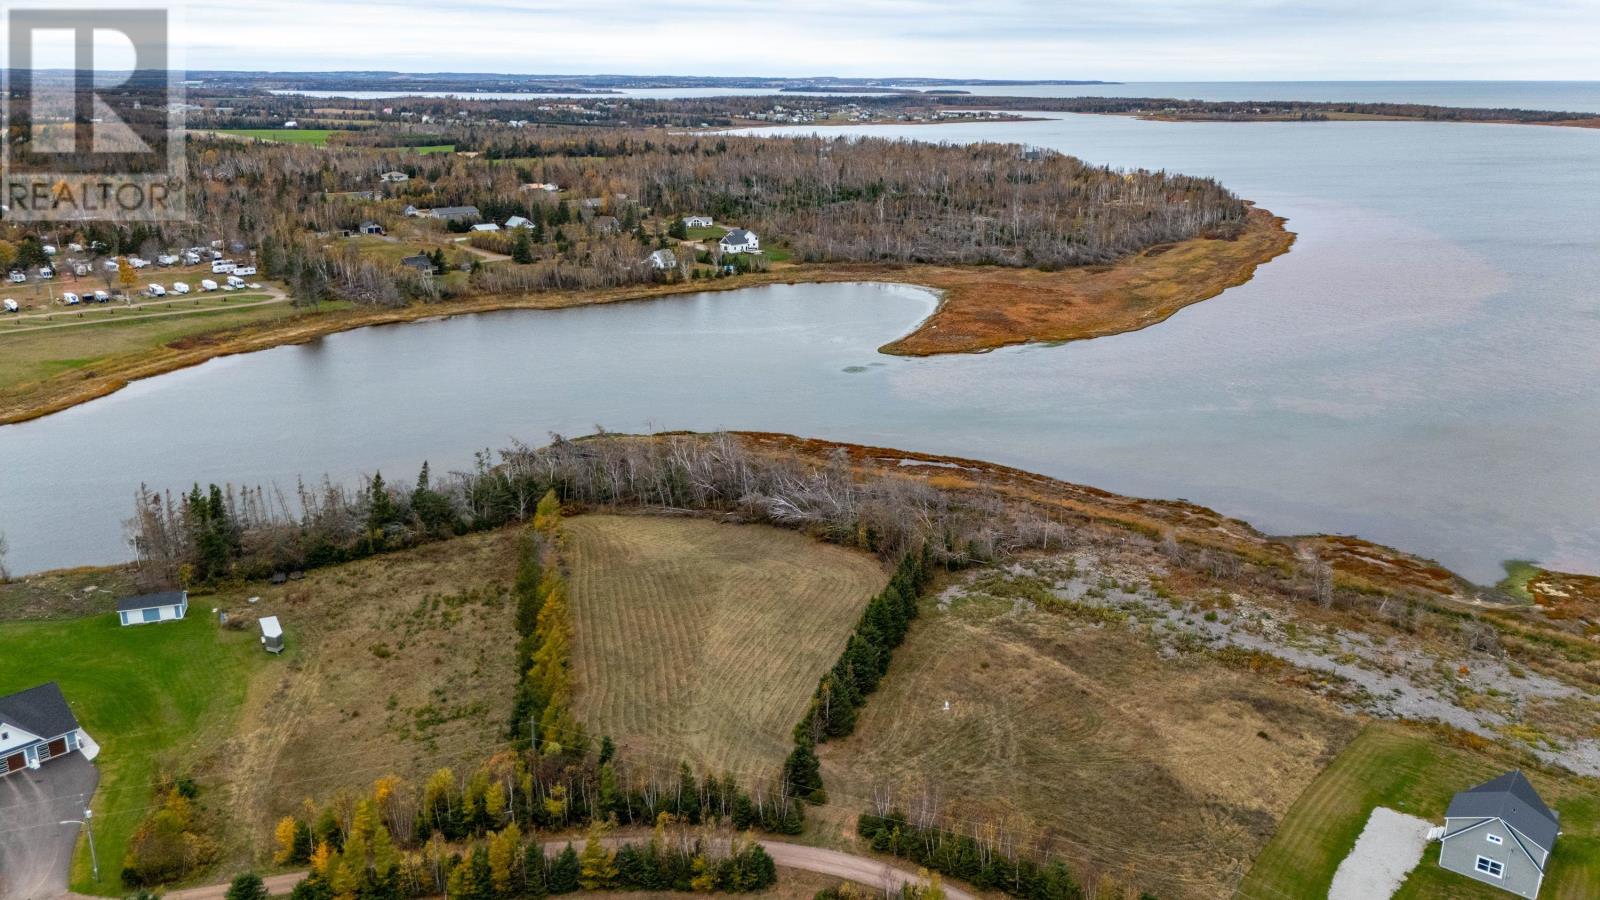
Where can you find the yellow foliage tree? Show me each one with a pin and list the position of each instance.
(322, 858)
(125, 276)
(284, 834)
(597, 866)
(503, 848)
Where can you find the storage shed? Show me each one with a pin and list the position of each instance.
(271, 634)
(163, 607)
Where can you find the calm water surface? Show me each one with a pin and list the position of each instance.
(1576, 96)
(1420, 370)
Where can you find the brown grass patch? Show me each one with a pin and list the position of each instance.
(703, 642)
(1173, 773)
(398, 664)
(991, 307)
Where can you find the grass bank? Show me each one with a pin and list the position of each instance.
(155, 697)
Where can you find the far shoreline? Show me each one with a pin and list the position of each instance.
(1078, 303)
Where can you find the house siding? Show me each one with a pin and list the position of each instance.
(166, 613)
(40, 751)
(1460, 854)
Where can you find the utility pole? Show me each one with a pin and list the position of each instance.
(88, 827)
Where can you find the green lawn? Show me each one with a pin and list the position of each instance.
(317, 136)
(436, 148)
(151, 695)
(30, 354)
(1410, 771)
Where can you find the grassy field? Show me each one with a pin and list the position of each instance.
(1411, 771)
(705, 641)
(314, 136)
(1080, 739)
(30, 353)
(155, 697)
(399, 664)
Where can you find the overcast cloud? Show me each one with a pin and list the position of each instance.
(1106, 39)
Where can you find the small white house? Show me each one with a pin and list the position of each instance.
(662, 260)
(149, 608)
(394, 177)
(486, 226)
(740, 240)
(518, 222)
(271, 634)
(697, 222)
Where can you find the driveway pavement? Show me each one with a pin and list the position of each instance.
(35, 849)
(1385, 853)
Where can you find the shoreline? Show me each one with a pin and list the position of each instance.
(1133, 293)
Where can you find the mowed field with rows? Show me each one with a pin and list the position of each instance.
(703, 642)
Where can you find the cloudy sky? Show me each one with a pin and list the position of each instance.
(1097, 39)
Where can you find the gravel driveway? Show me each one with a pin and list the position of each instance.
(1387, 850)
(35, 849)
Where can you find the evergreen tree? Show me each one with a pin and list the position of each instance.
(247, 887)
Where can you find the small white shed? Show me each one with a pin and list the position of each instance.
(271, 634)
(149, 608)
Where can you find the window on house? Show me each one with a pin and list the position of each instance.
(152, 615)
(1495, 839)
(1490, 867)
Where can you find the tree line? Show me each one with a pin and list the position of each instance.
(227, 532)
(844, 689)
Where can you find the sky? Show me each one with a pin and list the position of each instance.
(1121, 40)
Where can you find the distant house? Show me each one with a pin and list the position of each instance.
(37, 725)
(606, 224)
(547, 187)
(146, 608)
(454, 213)
(1500, 833)
(394, 177)
(486, 226)
(592, 202)
(697, 222)
(518, 222)
(413, 212)
(421, 262)
(740, 240)
(662, 260)
(370, 228)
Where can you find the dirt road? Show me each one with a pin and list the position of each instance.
(860, 869)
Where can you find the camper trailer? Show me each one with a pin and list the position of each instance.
(244, 270)
(271, 634)
(19, 277)
(207, 284)
(192, 258)
(180, 287)
(69, 298)
(235, 282)
(222, 266)
(11, 305)
(102, 297)
(156, 290)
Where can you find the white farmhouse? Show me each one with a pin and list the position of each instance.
(662, 260)
(740, 240)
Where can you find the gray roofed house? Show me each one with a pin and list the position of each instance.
(455, 212)
(1500, 833)
(740, 240)
(662, 260)
(38, 725)
(159, 607)
(421, 262)
(606, 224)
